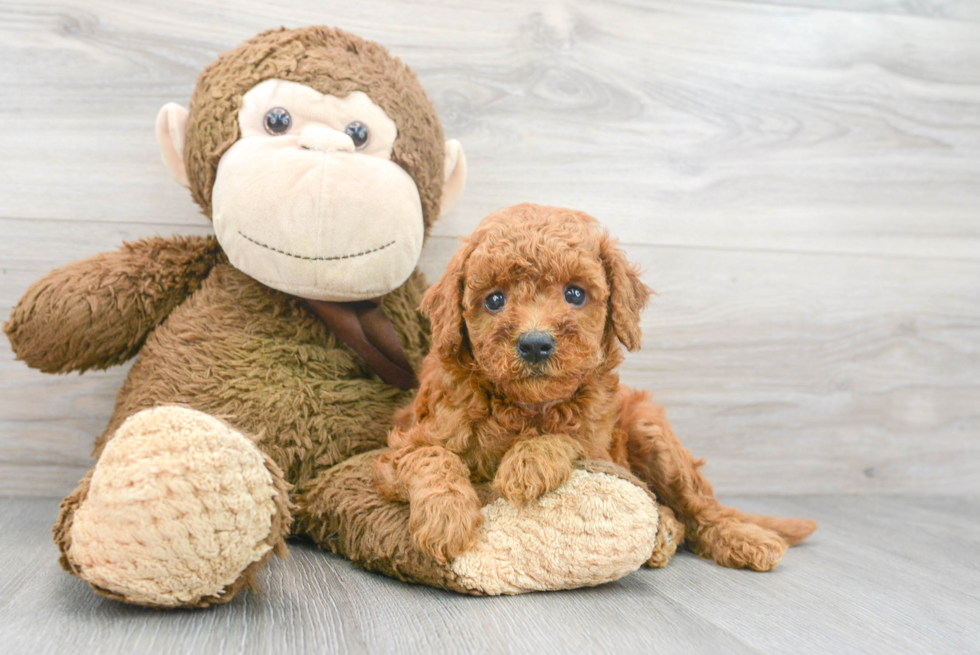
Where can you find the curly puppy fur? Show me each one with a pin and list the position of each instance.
(485, 413)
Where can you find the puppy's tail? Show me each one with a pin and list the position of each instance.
(792, 531)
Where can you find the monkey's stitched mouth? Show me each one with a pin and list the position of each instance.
(317, 259)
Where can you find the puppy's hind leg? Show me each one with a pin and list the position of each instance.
(723, 534)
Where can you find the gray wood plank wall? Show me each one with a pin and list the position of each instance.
(799, 180)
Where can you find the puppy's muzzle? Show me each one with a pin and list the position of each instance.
(535, 347)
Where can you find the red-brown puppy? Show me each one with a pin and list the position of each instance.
(521, 382)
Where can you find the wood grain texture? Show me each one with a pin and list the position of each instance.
(799, 180)
(882, 575)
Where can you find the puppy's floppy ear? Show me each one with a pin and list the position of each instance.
(443, 304)
(627, 293)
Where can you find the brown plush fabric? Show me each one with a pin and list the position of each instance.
(262, 361)
(330, 61)
(233, 348)
(97, 314)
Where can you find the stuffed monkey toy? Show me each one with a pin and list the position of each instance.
(271, 357)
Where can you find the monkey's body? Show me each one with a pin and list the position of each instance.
(230, 348)
(262, 361)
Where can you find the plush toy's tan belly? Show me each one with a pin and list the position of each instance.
(261, 361)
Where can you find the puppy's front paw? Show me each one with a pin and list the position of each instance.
(532, 468)
(738, 545)
(445, 525)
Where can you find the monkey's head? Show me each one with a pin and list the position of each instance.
(320, 160)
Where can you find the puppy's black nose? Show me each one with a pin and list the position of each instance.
(535, 347)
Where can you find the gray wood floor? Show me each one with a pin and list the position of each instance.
(882, 575)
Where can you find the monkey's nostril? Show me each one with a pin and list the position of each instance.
(535, 347)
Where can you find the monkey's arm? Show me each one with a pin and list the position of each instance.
(97, 312)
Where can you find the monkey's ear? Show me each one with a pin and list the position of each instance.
(443, 304)
(171, 128)
(455, 176)
(627, 294)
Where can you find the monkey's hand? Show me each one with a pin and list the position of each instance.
(97, 312)
(535, 466)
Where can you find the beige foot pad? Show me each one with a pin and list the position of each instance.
(179, 505)
(593, 529)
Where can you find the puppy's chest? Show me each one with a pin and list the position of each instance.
(523, 422)
(507, 425)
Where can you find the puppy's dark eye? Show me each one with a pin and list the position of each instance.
(277, 121)
(495, 301)
(574, 295)
(359, 134)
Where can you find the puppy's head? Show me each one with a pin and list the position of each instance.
(536, 301)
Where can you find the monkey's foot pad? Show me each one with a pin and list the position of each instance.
(179, 505)
(595, 528)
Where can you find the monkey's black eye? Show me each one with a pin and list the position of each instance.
(574, 295)
(277, 121)
(359, 134)
(495, 301)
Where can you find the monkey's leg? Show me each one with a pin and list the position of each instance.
(723, 534)
(180, 510)
(602, 525)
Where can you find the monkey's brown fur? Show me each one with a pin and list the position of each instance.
(482, 414)
(212, 339)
